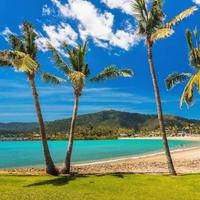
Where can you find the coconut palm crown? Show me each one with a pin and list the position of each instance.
(151, 21)
(193, 79)
(77, 70)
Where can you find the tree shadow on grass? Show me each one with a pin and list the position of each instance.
(118, 175)
(56, 182)
(115, 174)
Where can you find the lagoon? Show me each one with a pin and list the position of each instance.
(15, 154)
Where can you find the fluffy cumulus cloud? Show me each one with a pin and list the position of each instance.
(123, 5)
(57, 35)
(46, 10)
(97, 25)
(196, 1)
(89, 22)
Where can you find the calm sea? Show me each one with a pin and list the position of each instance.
(29, 153)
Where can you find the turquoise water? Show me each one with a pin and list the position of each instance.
(29, 153)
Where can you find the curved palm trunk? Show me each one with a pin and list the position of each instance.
(160, 112)
(50, 167)
(67, 162)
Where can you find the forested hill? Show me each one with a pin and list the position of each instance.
(111, 119)
(117, 119)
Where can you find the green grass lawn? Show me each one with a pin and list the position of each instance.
(110, 187)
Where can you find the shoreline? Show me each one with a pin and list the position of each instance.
(186, 160)
(185, 138)
(134, 157)
(189, 138)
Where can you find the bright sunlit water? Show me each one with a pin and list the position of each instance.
(29, 153)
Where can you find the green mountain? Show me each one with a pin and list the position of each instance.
(109, 119)
(117, 119)
(16, 127)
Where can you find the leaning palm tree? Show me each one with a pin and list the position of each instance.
(27, 51)
(193, 79)
(151, 26)
(77, 71)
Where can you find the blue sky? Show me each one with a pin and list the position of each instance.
(110, 28)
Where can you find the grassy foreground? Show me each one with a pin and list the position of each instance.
(111, 187)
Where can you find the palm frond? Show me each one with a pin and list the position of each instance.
(82, 54)
(74, 59)
(16, 43)
(156, 15)
(140, 11)
(77, 58)
(112, 72)
(50, 78)
(194, 57)
(86, 70)
(29, 35)
(188, 93)
(19, 60)
(84, 48)
(175, 78)
(181, 16)
(4, 63)
(140, 14)
(189, 39)
(58, 61)
(194, 53)
(161, 34)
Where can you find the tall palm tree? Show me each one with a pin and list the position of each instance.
(193, 79)
(150, 20)
(77, 71)
(26, 45)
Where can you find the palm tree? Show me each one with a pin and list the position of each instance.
(193, 79)
(150, 20)
(26, 47)
(77, 72)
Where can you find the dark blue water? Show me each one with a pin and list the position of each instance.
(29, 153)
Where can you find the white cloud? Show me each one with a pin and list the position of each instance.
(196, 1)
(92, 22)
(57, 35)
(5, 33)
(124, 5)
(124, 39)
(97, 25)
(46, 10)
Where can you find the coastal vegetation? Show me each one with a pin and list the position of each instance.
(102, 125)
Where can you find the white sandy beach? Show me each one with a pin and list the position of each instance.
(186, 161)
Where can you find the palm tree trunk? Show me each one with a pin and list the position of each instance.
(67, 162)
(160, 112)
(50, 167)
